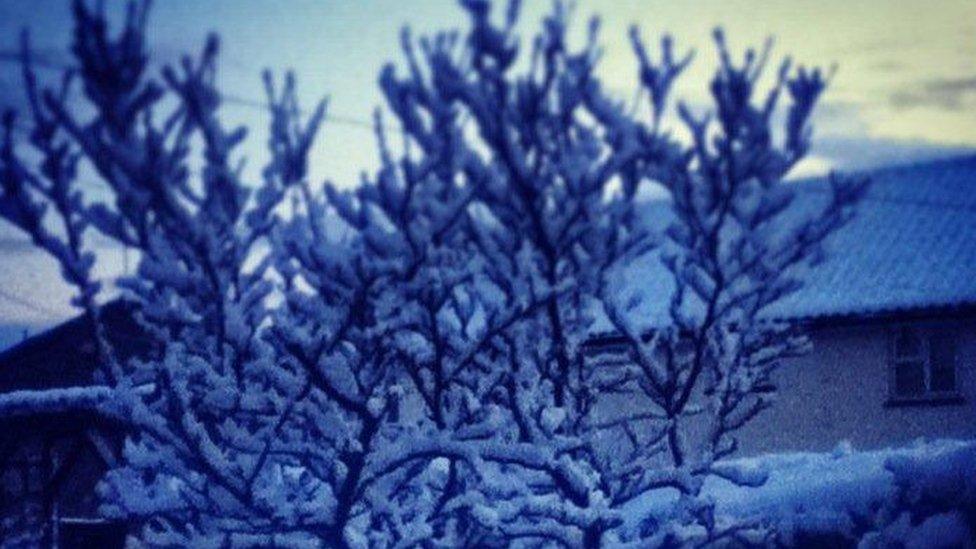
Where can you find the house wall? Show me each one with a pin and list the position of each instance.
(840, 391)
(49, 468)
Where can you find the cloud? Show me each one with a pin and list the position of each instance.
(952, 94)
(888, 66)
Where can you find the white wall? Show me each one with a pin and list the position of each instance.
(839, 391)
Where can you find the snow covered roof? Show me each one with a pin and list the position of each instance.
(912, 246)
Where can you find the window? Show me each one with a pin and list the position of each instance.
(923, 364)
(608, 353)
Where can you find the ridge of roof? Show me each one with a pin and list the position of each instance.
(911, 246)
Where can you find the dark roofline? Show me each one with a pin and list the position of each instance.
(42, 339)
(954, 311)
(66, 355)
(113, 310)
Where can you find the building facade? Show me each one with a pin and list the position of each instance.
(891, 314)
(875, 383)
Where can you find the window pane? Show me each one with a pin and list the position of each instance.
(907, 344)
(943, 360)
(909, 378)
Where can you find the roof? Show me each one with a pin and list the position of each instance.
(910, 247)
(65, 356)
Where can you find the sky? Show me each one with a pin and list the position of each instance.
(905, 88)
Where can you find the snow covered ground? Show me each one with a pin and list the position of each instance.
(843, 492)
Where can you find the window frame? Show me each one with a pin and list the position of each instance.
(925, 332)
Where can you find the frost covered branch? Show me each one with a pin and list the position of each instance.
(405, 362)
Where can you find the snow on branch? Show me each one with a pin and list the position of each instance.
(27, 403)
(406, 359)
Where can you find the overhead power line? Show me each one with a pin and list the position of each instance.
(12, 57)
(335, 118)
(35, 307)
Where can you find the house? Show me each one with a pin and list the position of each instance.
(891, 313)
(892, 317)
(50, 462)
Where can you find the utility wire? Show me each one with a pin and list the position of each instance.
(335, 119)
(41, 309)
(8, 56)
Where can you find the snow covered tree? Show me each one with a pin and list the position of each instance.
(556, 167)
(734, 249)
(267, 409)
(403, 363)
